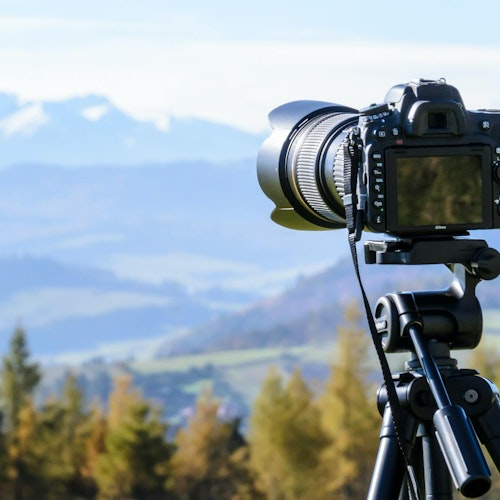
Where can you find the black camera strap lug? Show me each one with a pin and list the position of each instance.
(354, 199)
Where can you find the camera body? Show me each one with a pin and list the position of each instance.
(427, 166)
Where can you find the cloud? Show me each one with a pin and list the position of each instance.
(239, 82)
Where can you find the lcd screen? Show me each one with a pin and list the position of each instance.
(439, 190)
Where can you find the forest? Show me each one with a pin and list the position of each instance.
(301, 442)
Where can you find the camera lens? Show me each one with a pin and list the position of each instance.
(310, 166)
(313, 172)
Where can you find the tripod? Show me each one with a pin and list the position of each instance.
(444, 411)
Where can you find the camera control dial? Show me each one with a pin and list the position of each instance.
(374, 109)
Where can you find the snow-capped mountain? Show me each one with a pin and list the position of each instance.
(91, 130)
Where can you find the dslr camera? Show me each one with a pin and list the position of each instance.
(425, 165)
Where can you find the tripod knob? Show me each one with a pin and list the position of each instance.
(486, 263)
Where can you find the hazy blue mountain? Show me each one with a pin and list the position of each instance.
(113, 231)
(83, 310)
(89, 257)
(310, 311)
(90, 130)
(203, 224)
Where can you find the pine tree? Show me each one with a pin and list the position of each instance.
(134, 463)
(209, 461)
(19, 378)
(23, 468)
(47, 452)
(286, 439)
(349, 416)
(66, 428)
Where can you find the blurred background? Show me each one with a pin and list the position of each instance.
(134, 237)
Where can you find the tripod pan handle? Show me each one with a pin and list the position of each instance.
(461, 451)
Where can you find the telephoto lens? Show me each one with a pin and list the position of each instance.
(301, 167)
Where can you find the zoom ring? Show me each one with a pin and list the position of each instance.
(306, 171)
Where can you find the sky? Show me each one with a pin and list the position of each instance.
(232, 62)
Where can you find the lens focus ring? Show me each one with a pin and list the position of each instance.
(305, 160)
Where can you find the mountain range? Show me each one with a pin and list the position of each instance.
(122, 239)
(310, 311)
(103, 248)
(90, 130)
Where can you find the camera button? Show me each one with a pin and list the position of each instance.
(380, 133)
(485, 125)
(395, 131)
(378, 219)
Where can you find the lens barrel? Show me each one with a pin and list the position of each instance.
(300, 166)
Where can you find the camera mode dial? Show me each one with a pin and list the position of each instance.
(375, 113)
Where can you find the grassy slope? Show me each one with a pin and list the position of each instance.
(236, 376)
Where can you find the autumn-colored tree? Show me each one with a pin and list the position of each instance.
(95, 445)
(47, 449)
(135, 462)
(349, 416)
(286, 439)
(209, 460)
(23, 467)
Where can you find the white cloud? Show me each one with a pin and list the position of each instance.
(26, 121)
(240, 82)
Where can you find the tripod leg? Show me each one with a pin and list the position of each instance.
(389, 470)
(436, 476)
(487, 427)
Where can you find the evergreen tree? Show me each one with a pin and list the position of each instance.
(349, 416)
(134, 463)
(209, 461)
(64, 431)
(47, 452)
(19, 378)
(286, 439)
(23, 468)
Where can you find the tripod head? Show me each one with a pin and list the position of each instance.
(429, 324)
(451, 316)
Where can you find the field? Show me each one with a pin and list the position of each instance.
(235, 377)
